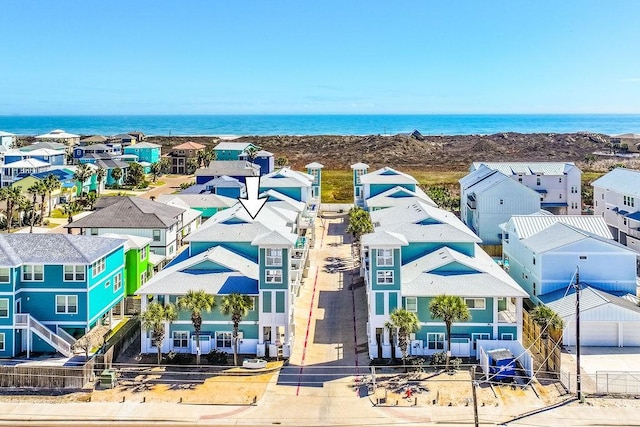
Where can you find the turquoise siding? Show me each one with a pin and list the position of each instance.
(285, 271)
(228, 154)
(507, 330)
(266, 304)
(293, 192)
(151, 155)
(393, 301)
(280, 301)
(206, 212)
(477, 316)
(379, 303)
(9, 342)
(375, 189)
(417, 250)
(374, 271)
(42, 306)
(242, 248)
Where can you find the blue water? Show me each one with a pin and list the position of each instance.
(436, 124)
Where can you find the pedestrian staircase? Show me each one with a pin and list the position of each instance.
(26, 321)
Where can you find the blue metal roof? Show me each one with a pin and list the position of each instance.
(553, 205)
(635, 216)
(541, 191)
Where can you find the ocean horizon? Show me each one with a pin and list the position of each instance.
(322, 124)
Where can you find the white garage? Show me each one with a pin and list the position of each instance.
(605, 320)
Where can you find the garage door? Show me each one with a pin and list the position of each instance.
(597, 334)
(631, 334)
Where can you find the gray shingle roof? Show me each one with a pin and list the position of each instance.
(16, 249)
(229, 168)
(129, 212)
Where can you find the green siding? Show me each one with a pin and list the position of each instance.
(134, 268)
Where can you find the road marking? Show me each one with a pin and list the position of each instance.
(306, 338)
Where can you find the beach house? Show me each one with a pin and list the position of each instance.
(184, 156)
(61, 137)
(7, 139)
(228, 150)
(222, 186)
(262, 257)
(557, 183)
(54, 287)
(380, 189)
(144, 152)
(489, 198)
(548, 254)
(138, 217)
(236, 169)
(616, 198)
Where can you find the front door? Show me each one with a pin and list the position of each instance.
(266, 337)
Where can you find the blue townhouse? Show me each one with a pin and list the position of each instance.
(54, 288)
(417, 252)
(46, 155)
(263, 258)
(227, 150)
(225, 186)
(145, 152)
(237, 169)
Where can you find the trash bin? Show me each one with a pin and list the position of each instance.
(108, 378)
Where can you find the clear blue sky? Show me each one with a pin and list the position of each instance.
(325, 56)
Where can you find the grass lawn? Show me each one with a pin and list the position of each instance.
(337, 185)
(57, 213)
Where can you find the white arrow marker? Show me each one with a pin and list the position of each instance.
(252, 204)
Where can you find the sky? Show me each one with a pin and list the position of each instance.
(321, 57)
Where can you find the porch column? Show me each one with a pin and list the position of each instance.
(495, 319)
(519, 318)
(122, 308)
(111, 318)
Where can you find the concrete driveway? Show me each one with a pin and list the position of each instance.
(594, 359)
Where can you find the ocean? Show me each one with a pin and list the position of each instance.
(238, 125)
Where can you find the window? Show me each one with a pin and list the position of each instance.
(538, 181)
(475, 303)
(180, 339)
(574, 190)
(33, 273)
(93, 231)
(117, 282)
(624, 221)
(74, 273)
(502, 201)
(4, 308)
(435, 341)
(534, 261)
(4, 274)
(107, 283)
(98, 266)
(156, 235)
(535, 291)
(520, 179)
(143, 253)
(583, 257)
(223, 339)
(560, 196)
(411, 304)
(273, 257)
(384, 257)
(66, 304)
(1, 342)
(273, 276)
(574, 205)
(481, 336)
(384, 277)
(560, 180)
(143, 278)
(507, 337)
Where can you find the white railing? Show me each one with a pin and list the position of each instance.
(43, 332)
(65, 335)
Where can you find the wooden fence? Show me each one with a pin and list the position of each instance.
(49, 377)
(545, 349)
(117, 344)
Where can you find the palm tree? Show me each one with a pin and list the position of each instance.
(406, 322)
(82, 174)
(251, 153)
(450, 309)
(116, 174)
(156, 170)
(42, 191)
(547, 319)
(282, 161)
(238, 306)
(196, 302)
(154, 318)
(359, 223)
(52, 183)
(101, 173)
(13, 196)
(34, 190)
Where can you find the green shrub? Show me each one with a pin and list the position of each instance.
(217, 357)
(439, 359)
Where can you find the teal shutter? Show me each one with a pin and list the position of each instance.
(393, 301)
(266, 302)
(279, 302)
(379, 302)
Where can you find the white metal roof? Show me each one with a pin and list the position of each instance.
(384, 238)
(561, 234)
(527, 168)
(563, 301)
(3, 133)
(620, 180)
(286, 177)
(27, 163)
(387, 175)
(314, 165)
(528, 225)
(57, 134)
(359, 166)
(385, 198)
(226, 145)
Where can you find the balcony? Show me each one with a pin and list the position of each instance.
(507, 312)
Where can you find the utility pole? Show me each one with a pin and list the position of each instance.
(475, 397)
(578, 377)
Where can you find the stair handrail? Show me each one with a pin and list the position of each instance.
(59, 343)
(65, 335)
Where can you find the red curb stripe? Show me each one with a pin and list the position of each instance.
(306, 338)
